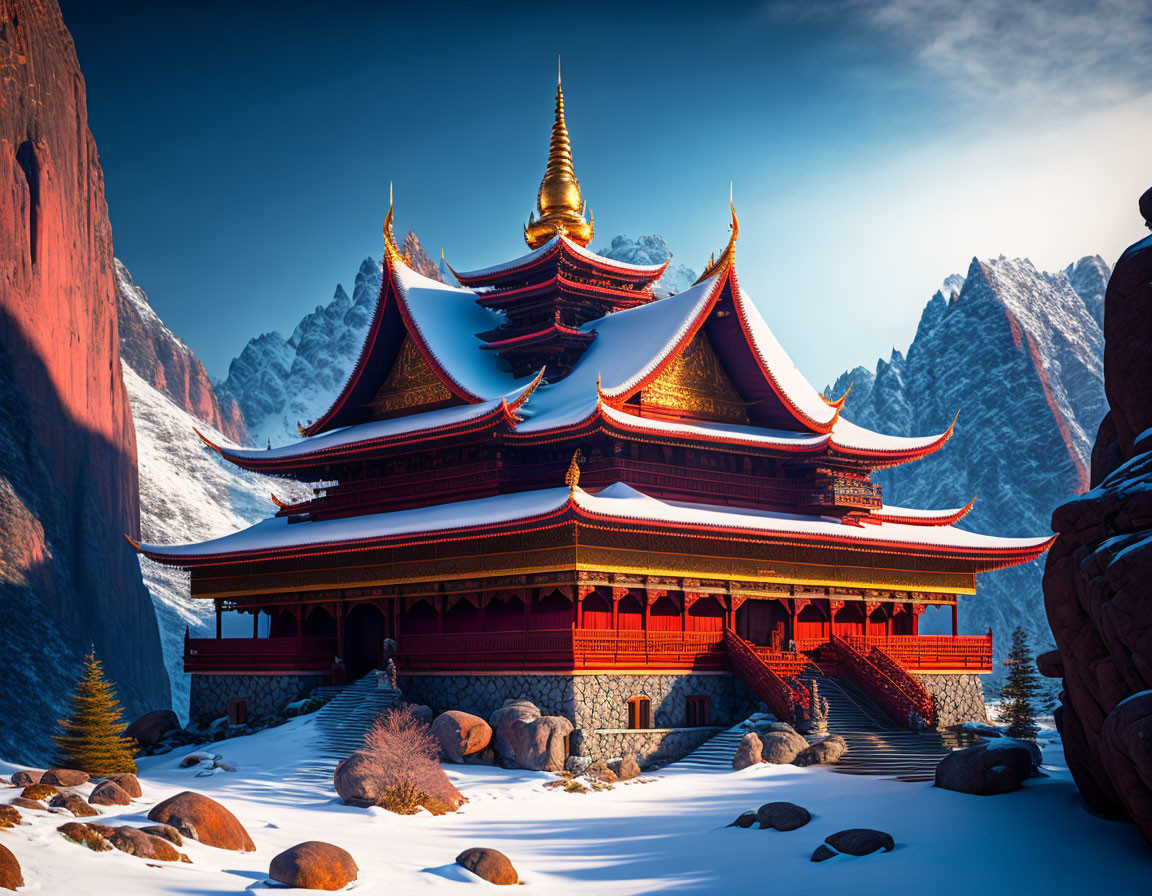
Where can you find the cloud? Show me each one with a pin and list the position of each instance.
(1034, 55)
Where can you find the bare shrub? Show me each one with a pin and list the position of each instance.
(405, 753)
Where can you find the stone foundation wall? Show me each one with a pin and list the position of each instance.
(959, 698)
(266, 694)
(597, 706)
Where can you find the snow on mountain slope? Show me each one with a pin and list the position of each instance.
(187, 493)
(1019, 354)
(650, 249)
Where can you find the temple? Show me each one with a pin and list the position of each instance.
(547, 482)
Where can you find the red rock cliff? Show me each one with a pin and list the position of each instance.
(68, 480)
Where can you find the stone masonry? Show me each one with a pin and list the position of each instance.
(959, 698)
(266, 694)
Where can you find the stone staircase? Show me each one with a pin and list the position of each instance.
(343, 721)
(714, 755)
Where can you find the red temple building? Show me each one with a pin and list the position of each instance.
(547, 482)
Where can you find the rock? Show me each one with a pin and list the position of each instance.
(599, 771)
(824, 752)
(25, 803)
(24, 778)
(502, 720)
(577, 765)
(11, 876)
(782, 745)
(40, 791)
(314, 865)
(203, 819)
(1050, 664)
(985, 769)
(74, 803)
(854, 842)
(166, 832)
(1126, 755)
(196, 758)
(487, 756)
(129, 783)
(359, 782)
(109, 793)
(782, 816)
(460, 733)
(540, 745)
(629, 768)
(150, 728)
(424, 713)
(749, 752)
(746, 820)
(71, 478)
(9, 817)
(490, 864)
(64, 777)
(137, 842)
(85, 835)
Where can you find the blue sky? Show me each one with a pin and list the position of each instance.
(876, 146)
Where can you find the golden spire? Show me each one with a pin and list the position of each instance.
(559, 205)
(572, 477)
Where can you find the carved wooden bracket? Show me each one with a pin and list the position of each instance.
(737, 602)
(582, 591)
(619, 593)
(919, 609)
(690, 597)
(871, 606)
(836, 605)
(800, 603)
(654, 596)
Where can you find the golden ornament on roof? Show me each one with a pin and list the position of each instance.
(560, 208)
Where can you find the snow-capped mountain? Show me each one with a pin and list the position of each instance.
(187, 492)
(1019, 354)
(651, 249)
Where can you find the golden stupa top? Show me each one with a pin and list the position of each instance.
(559, 206)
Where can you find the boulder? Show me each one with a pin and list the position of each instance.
(196, 758)
(540, 745)
(11, 876)
(74, 803)
(746, 820)
(24, 803)
(599, 771)
(860, 841)
(1126, 754)
(129, 783)
(359, 781)
(629, 768)
(85, 835)
(1050, 664)
(460, 734)
(202, 819)
(109, 793)
(39, 791)
(782, 816)
(314, 865)
(985, 769)
(749, 752)
(24, 778)
(424, 713)
(782, 745)
(9, 817)
(502, 720)
(166, 832)
(577, 765)
(64, 777)
(489, 864)
(150, 728)
(138, 842)
(824, 752)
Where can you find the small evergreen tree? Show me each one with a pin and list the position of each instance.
(1020, 689)
(91, 740)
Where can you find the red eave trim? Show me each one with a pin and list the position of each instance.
(944, 520)
(469, 278)
(541, 335)
(605, 264)
(895, 456)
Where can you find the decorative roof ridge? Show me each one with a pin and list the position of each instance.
(923, 517)
(624, 267)
(554, 327)
(508, 267)
(927, 444)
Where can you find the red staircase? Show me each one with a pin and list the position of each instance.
(788, 702)
(886, 682)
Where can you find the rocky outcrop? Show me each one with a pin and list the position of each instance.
(1096, 583)
(167, 364)
(68, 482)
(986, 769)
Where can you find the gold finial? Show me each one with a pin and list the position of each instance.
(572, 477)
(560, 207)
(389, 237)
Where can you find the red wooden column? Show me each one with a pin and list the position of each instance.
(917, 612)
(618, 594)
(834, 606)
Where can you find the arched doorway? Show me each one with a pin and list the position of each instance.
(364, 631)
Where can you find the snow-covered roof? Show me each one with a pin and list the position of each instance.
(618, 502)
(525, 261)
(522, 261)
(652, 269)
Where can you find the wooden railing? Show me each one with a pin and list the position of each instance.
(788, 703)
(932, 653)
(912, 688)
(620, 649)
(258, 654)
(893, 696)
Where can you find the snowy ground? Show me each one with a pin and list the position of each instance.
(664, 833)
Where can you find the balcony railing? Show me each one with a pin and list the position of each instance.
(259, 654)
(932, 653)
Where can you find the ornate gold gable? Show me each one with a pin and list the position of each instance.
(410, 383)
(695, 385)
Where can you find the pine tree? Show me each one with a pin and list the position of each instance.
(91, 740)
(1020, 689)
